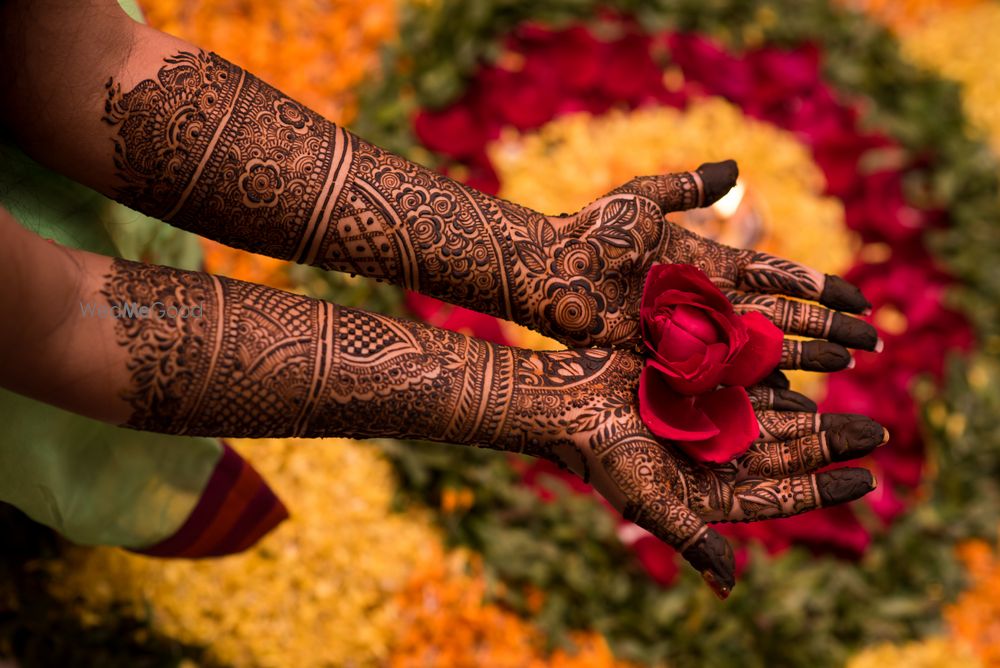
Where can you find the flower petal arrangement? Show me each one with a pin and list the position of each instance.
(696, 342)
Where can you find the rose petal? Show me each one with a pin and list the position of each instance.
(759, 356)
(678, 343)
(698, 323)
(668, 414)
(688, 377)
(686, 278)
(730, 411)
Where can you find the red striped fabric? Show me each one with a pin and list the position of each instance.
(236, 509)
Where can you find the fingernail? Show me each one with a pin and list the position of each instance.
(885, 435)
(843, 485)
(841, 295)
(718, 178)
(874, 482)
(713, 557)
(721, 590)
(867, 312)
(850, 365)
(879, 345)
(824, 356)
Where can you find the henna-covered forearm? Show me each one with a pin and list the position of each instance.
(212, 149)
(239, 359)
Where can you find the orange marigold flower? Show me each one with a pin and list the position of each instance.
(974, 618)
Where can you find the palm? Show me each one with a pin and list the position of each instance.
(590, 268)
(661, 489)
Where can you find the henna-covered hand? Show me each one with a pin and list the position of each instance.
(627, 232)
(211, 148)
(597, 432)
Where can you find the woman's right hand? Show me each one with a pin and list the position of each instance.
(583, 403)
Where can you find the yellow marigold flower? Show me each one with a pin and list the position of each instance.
(902, 15)
(317, 52)
(929, 653)
(316, 592)
(235, 263)
(952, 44)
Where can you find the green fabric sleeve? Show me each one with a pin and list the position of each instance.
(94, 483)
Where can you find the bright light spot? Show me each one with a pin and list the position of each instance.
(728, 205)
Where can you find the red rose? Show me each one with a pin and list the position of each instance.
(697, 340)
(657, 558)
(711, 427)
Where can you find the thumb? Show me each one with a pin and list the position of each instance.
(703, 547)
(680, 191)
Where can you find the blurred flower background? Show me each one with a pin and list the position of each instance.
(868, 135)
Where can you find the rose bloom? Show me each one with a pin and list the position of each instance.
(697, 342)
(696, 338)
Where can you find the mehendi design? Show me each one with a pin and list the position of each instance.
(212, 149)
(784, 425)
(221, 357)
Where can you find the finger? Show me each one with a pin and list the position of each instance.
(814, 356)
(765, 498)
(795, 317)
(763, 272)
(712, 556)
(786, 425)
(851, 440)
(763, 397)
(677, 525)
(685, 190)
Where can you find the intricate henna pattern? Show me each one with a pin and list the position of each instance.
(211, 148)
(253, 361)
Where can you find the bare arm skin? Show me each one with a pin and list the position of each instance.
(185, 136)
(220, 357)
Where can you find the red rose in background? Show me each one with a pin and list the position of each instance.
(696, 339)
(698, 342)
(448, 316)
(453, 131)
